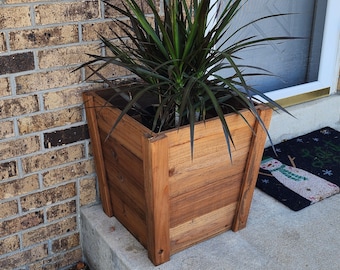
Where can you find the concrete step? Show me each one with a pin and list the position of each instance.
(275, 238)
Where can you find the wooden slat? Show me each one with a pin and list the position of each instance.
(157, 198)
(251, 171)
(201, 228)
(123, 161)
(207, 147)
(130, 131)
(211, 159)
(129, 218)
(204, 171)
(127, 192)
(200, 201)
(97, 153)
(211, 127)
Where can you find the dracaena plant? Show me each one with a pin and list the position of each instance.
(178, 58)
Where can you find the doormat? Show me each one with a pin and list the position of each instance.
(304, 170)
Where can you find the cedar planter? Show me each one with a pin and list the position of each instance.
(164, 198)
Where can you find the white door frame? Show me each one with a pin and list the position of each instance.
(329, 62)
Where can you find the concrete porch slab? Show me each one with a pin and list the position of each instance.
(275, 238)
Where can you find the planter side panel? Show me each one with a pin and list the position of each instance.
(122, 153)
(204, 192)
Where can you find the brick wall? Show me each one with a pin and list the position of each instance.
(46, 167)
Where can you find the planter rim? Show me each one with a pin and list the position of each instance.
(155, 134)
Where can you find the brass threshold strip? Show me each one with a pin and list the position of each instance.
(305, 97)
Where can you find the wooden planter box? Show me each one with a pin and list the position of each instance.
(164, 198)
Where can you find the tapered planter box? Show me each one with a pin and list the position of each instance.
(166, 199)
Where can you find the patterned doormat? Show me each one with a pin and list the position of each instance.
(305, 170)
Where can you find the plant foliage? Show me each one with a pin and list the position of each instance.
(177, 56)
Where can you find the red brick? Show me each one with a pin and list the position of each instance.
(53, 158)
(8, 209)
(15, 63)
(9, 244)
(47, 197)
(38, 38)
(66, 12)
(46, 80)
(24, 222)
(66, 243)
(24, 257)
(61, 210)
(14, 17)
(18, 187)
(50, 231)
(67, 173)
(19, 147)
(18, 106)
(8, 170)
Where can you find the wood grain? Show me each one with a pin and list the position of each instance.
(97, 153)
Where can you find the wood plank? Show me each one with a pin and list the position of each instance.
(129, 166)
(211, 158)
(200, 201)
(123, 179)
(209, 146)
(127, 126)
(200, 171)
(211, 127)
(251, 171)
(127, 192)
(201, 228)
(131, 220)
(97, 153)
(157, 197)
(207, 150)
